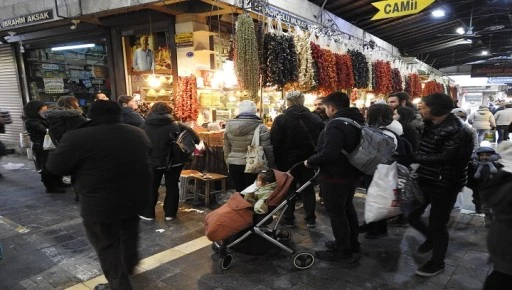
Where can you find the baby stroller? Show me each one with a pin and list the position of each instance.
(256, 238)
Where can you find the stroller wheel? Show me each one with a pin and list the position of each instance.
(303, 260)
(284, 235)
(226, 262)
(216, 247)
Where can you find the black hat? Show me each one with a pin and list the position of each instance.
(105, 111)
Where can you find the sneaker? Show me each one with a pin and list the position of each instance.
(310, 224)
(430, 269)
(288, 224)
(373, 236)
(146, 218)
(169, 218)
(425, 247)
(102, 287)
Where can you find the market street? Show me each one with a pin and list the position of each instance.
(45, 247)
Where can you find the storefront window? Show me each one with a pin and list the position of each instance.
(67, 69)
(148, 65)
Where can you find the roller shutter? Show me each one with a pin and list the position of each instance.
(10, 96)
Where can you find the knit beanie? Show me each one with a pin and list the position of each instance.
(247, 107)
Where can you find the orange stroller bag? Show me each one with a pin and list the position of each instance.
(232, 217)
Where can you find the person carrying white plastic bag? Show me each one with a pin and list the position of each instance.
(383, 199)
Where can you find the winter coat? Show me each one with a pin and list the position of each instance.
(131, 117)
(411, 134)
(62, 120)
(238, 136)
(482, 119)
(497, 194)
(338, 136)
(158, 128)
(394, 129)
(110, 168)
(503, 117)
(36, 129)
(291, 143)
(443, 154)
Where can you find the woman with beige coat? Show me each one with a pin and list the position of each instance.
(482, 120)
(237, 138)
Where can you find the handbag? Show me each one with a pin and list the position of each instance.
(383, 198)
(47, 142)
(256, 161)
(411, 195)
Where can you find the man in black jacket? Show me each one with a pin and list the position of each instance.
(443, 154)
(338, 179)
(110, 168)
(294, 135)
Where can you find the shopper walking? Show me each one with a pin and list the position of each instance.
(36, 127)
(110, 168)
(130, 115)
(503, 119)
(496, 193)
(238, 136)
(406, 116)
(482, 120)
(338, 179)
(158, 126)
(444, 152)
(461, 113)
(294, 135)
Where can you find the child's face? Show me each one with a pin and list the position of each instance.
(484, 156)
(260, 182)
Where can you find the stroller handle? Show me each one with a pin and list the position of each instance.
(316, 169)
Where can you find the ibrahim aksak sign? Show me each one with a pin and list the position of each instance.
(27, 19)
(397, 8)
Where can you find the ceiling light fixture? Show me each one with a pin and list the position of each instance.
(87, 45)
(460, 30)
(485, 52)
(438, 13)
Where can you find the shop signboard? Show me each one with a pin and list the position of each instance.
(53, 85)
(184, 39)
(26, 19)
(498, 81)
(491, 70)
(269, 10)
(397, 8)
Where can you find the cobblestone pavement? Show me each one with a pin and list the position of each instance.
(45, 248)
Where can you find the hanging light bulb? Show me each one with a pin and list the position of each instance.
(154, 81)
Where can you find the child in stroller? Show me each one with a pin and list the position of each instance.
(235, 225)
(258, 192)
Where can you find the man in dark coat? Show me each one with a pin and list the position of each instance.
(130, 116)
(294, 135)
(338, 178)
(443, 154)
(110, 168)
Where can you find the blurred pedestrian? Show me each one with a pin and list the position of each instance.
(110, 168)
(482, 120)
(320, 110)
(503, 119)
(66, 116)
(130, 115)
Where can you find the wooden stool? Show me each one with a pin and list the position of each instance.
(185, 176)
(208, 179)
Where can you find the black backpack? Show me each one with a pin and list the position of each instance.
(181, 147)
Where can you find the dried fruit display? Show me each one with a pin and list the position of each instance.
(396, 77)
(382, 79)
(360, 69)
(247, 64)
(345, 76)
(305, 65)
(185, 105)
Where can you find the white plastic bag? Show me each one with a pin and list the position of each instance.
(48, 143)
(383, 199)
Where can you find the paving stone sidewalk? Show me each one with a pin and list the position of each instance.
(45, 248)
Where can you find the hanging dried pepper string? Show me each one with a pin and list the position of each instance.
(247, 64)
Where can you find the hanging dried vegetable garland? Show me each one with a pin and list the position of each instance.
(247, 65)
(316, 53)
(397, 80)
(185, 106)
(360, 68)
(280, 60)
(306, 77)
(329, 63)
(413, 85)
(345, 79)
(382, 77)
(454, 92)
(432, 87)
